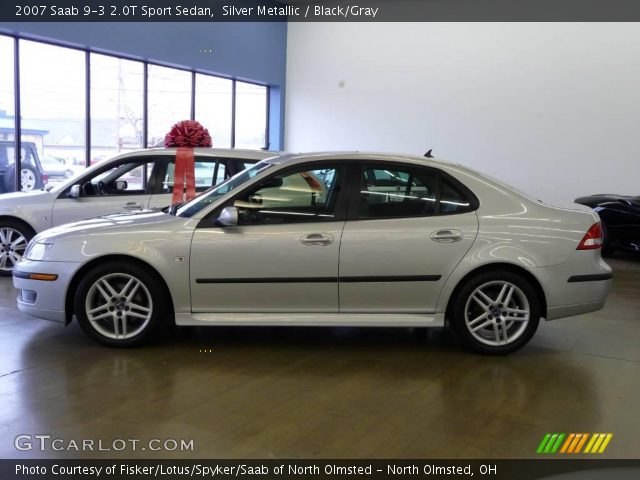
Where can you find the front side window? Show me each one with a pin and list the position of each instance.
(123, 179)
(401, 192)
(304, 195)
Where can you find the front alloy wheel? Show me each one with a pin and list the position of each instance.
(119, 305)
(13, 242)
(496, 312)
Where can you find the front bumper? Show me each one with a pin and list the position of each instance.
(40, 298)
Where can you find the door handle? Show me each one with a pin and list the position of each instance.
(321, 239)
(132, 206)
(446, 236)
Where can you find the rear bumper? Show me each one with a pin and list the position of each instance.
(575, 287)
(573, 310)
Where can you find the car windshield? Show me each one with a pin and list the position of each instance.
(189, 209)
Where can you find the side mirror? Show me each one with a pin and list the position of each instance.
(121, 185)
(74, 191)
(228, 217)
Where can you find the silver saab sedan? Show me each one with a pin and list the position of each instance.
(132, 181)
(338, 239)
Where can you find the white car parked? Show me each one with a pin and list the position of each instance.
(131, 181)
(327, 239)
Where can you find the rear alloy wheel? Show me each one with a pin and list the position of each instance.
(28, 179)
(119, 305)
(496, 312)
(14, 238)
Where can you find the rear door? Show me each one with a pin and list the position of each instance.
(408, 228)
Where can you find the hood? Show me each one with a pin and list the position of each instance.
(114, 223)
(20, 197)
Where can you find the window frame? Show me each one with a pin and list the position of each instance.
(441, 175)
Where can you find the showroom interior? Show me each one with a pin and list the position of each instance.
(548, 108)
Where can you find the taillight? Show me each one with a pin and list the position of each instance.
(592, 239)
(44, 178)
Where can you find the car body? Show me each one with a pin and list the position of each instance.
(387, 240)
(112, 186)
(56, 167)
(620, 215)
(32, 174)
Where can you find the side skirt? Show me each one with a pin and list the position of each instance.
(313, 319)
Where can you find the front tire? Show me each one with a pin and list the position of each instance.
(496, 313)
(14, 237)
(119, 304)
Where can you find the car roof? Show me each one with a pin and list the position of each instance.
(212, 152)
(293, 158)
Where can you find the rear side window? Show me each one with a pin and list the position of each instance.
(208, 172)
(399, 192)
(452, 200)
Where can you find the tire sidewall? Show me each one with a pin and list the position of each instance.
(460, 300)
(143, 275)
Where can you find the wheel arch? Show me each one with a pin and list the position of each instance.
(4, 217)
(510, 267)
(79, 274)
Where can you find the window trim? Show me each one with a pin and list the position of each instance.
(355, 185)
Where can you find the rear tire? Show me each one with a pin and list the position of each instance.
(496, 312)
(120, 304)
(29, 179)
(14, 237)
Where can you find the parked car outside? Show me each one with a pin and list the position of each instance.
(32, 175)
(339, 239)
(56, 167)
(620, 215)
(128, 182)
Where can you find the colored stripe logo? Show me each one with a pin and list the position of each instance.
(574, 443)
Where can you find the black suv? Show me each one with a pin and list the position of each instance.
(32, 174)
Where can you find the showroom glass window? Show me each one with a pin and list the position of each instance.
(53, 110)
(214, 100)
(7, 114)
(117, 123)
(251, 115)
(169, 93)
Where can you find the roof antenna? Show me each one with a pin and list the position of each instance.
(428, 154)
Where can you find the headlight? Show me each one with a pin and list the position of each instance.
(36, 251)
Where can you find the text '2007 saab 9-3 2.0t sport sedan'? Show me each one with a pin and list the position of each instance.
(339, 239)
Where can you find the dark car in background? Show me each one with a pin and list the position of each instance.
(620, 215)
(32, 174)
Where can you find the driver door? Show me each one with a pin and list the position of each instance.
(283, 254)
(103, 193)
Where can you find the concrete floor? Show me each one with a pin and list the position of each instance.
(326, 393)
